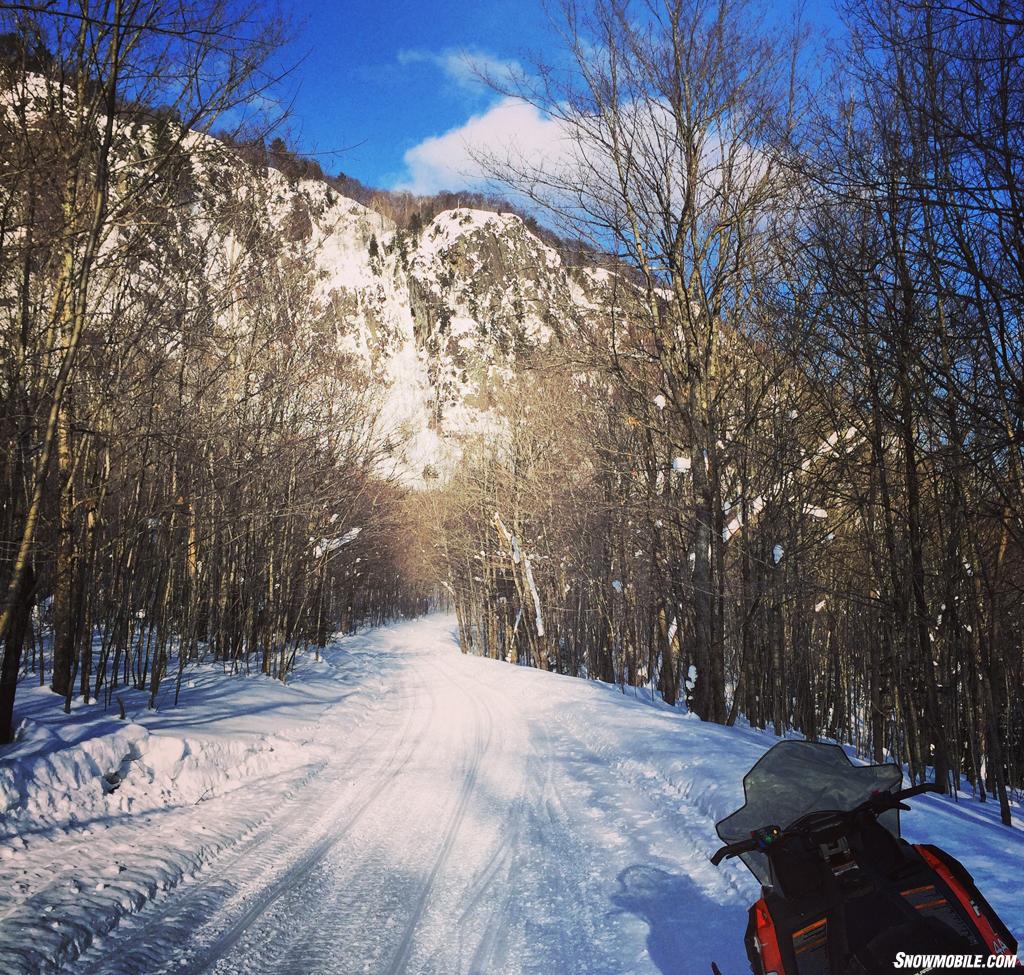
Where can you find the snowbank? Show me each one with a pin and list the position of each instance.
(129, 770)
(99, 815)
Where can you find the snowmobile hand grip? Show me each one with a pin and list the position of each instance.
(918, 790)
(883, 801)
(719, 855)
(733, 850)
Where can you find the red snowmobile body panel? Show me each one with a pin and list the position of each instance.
(929, 905)
(762, 940)
(994, 934)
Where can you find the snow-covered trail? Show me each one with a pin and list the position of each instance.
(459, 815)
(473, 823)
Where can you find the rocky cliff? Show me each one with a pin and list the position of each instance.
(442, 316)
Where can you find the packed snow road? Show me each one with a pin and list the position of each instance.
(476, 822)
(459, 815)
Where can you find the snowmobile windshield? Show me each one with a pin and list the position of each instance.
(794, 778)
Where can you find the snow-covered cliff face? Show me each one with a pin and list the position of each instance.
(442, 317)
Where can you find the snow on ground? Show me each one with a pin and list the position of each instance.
(398, 807)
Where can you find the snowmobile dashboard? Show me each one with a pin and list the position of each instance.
(821, 823)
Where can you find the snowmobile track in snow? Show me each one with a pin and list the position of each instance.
(467, 818)
(169, 923)
(297, 874)
(401, 957)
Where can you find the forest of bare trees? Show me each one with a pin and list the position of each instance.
(188, 468)
(780, 475)
(773, 469)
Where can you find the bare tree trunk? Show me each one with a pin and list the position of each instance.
(12, 653)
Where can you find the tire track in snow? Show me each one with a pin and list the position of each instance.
(168, 927)
(299, 873)
(503, 864)
(532, 884)
(484, 733)
(298, 930)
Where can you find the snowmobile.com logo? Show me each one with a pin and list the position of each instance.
(928, 963)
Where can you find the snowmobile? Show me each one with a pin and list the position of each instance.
(842, 892)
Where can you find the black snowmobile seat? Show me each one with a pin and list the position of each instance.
(923, 936)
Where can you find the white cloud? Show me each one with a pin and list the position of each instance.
(469, 69)
(563, 156)
(510, 128)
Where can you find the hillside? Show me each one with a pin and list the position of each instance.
(442, 316)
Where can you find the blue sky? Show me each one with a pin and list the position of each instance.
(379, 78)
(384, 92)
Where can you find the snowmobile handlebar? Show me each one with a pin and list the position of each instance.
(918, 790)
(879, 802)
(760, 839)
